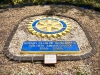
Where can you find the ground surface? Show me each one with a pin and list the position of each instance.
(89, 19)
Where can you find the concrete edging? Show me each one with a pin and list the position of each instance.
(40, 58)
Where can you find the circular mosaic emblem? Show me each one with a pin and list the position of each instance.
(49, 27)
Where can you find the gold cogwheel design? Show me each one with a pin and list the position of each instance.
(49, 27)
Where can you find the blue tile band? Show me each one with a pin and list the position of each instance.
(50, 46)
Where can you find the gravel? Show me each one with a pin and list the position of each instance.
(89, 19)
(22, 34)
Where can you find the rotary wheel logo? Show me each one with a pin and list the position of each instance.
(49, 27)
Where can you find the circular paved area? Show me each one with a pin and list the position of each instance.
(89, 20)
